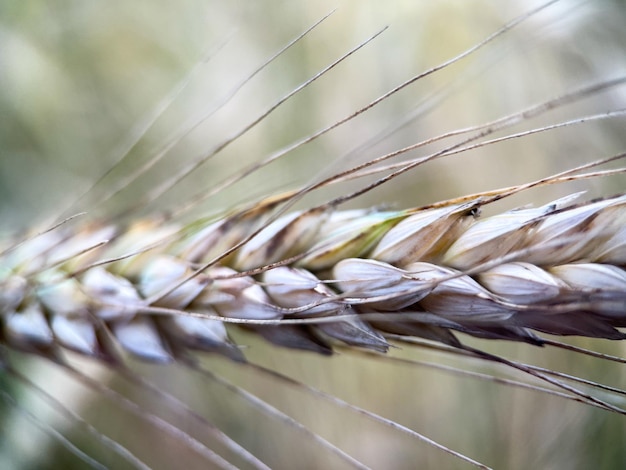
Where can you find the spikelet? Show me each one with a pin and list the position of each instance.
(128, 293)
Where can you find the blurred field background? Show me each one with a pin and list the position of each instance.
(78, 80)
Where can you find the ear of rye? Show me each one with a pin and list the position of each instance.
(189, 318)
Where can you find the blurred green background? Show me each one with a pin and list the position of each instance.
(79, 80)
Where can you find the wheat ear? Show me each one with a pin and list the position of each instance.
(361, 282)
(554, 269)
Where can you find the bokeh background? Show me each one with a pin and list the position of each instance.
(81, 81)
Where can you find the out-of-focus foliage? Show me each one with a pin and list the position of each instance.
(78, 78)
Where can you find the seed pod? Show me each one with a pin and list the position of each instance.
(496, 236)
(352, 240)
(294, 337)
(591, 276)
(236, 297)
(423, 236)
(283, 238)
(112, 297)
(296, 288)
(601, 288)
(78, 251)
(162, 274)
(77, 334)
(63, 297)
(28, 329)
(205, 239)
(567, 235)
(363, 279)
(141, 338)
(457, 296)
(138, 246)
(293, 288)
(33, 254)
(213, 240)
(13, 289)
(354, 332)
(204, 334)
(613, 249)
(521, 283)
(70, 317)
